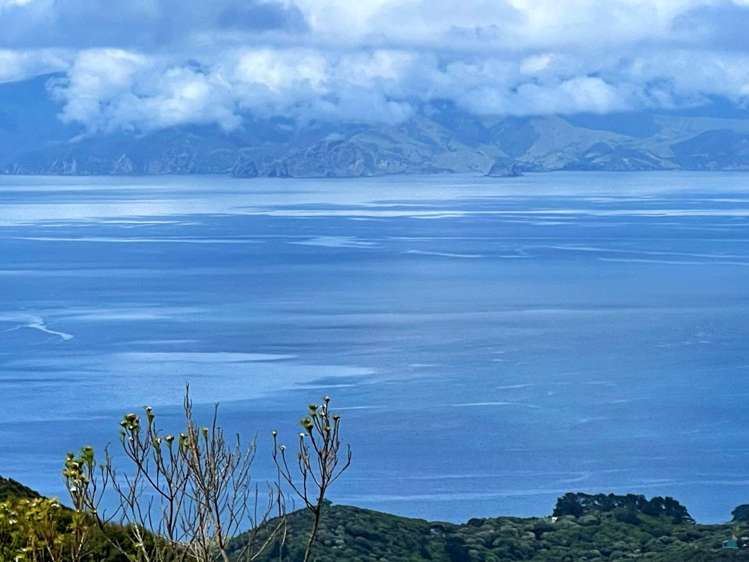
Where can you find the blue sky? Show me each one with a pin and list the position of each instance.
(150, 64)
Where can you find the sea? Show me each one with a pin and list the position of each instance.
(490, 343)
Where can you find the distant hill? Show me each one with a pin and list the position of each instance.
(438, 139)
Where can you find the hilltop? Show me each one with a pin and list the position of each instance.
(606, 527)
(10, 488)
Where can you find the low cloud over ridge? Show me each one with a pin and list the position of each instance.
(151, 64)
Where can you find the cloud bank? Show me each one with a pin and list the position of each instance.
(150, 64)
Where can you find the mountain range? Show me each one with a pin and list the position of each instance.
(440, 138)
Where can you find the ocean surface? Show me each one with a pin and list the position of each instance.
(490, 343)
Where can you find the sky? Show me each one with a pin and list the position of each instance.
(150, 64)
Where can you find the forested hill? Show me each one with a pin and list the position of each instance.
(605, 528)
(593, 528)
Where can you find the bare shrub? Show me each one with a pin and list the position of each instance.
(320, 461)
(183, 496)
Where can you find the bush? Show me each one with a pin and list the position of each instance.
(741, 513)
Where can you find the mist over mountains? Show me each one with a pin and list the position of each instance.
(317, 88)
(438, 138)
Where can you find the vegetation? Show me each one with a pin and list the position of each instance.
(9, 488)
(36, 529)
(349, 534)
(741, 513)
(183, 497)
(320, 462)
(578, 505)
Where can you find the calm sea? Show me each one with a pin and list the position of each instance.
(491, 343)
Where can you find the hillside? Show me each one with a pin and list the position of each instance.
(583, 528)
(619, 530)
(439, 139)
(9, 488)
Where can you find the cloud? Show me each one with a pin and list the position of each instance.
(18, 65)
(110, 89)
(149, 64)
(139, 24)
(490, 24)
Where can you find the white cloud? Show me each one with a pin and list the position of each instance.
(99, 82)
(19, 65)
(511, 24)
(109, 89)
(379, 60)
(694, 72)
(116, 89)
(13, 3)
(579, 94)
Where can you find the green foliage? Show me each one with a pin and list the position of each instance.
(181, 497)
(741, 513)
(31, 529)
(580, 504)
(37, 529)
(9, 488)
(621, 531)
(349, 534)
(42, 530)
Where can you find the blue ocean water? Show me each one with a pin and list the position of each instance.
(491, 343)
